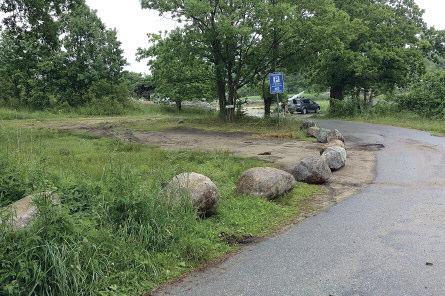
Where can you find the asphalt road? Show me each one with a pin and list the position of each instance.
(387, 240)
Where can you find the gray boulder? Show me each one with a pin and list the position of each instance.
(307, 124)
(313, 131)
(202, 192)
(322, 136)
(333, 143)
(312, 170)
(269, 183)
(335, 135)
(24, 210)
(335, 157)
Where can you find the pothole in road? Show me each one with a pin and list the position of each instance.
(370, 147)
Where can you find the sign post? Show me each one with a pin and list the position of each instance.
(276, 82)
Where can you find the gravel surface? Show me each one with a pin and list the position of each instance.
(389, 239)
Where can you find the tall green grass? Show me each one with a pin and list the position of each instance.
(113, 233)
(390, 114)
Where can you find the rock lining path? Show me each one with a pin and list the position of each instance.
(389, 239)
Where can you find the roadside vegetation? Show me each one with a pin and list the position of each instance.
(112, 233)
(400, 119)
(420, 106)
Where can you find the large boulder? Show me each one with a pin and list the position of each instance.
(269, 183)
(24, 210)
(313, 131)
(202, 192)
(322, 136)
(307, 124)
(312, 170)
(333, 143)
(335, 135)
(335, 157)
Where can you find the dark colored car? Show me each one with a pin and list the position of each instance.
(302, 105)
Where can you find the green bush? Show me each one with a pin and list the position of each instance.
(427, 96)
(384, 108)
(344, 108)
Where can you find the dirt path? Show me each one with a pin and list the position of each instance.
(281, 153)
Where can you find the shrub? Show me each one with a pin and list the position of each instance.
(385, 108)
(427, 96)
(345, 107)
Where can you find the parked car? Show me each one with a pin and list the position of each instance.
(302, 105)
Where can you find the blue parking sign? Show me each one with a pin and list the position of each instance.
(276, 82)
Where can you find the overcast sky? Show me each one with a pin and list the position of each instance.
(133, 23)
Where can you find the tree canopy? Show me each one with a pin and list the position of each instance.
(380, 52)
(240, 42)
(178, 69)
(57, 52)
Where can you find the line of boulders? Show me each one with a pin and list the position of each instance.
(266, 182)
(333, 155)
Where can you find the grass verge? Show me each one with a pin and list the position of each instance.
(402, 119)
(112, 234)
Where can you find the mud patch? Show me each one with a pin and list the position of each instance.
(370, 147)
(238, 240)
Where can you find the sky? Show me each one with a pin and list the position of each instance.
(133, 24)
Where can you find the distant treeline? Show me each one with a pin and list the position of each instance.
(58, 53)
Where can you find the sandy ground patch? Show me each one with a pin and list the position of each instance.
(284, 154)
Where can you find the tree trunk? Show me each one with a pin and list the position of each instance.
(267, 98)
(365, 99)
(371, 98)
(337, 92)
(178, 105)
(232, 92)
(219, 76)
(356, 98)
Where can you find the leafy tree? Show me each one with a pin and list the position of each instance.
(294, 35)
(243, 41)
(178, 68)
(426, 97)
(433, 45)
(6, 81)
(55, 52)
(226, 32)
(92, 61)
(380, 51)
(141, 86)
(37, 18)
(31, 41)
